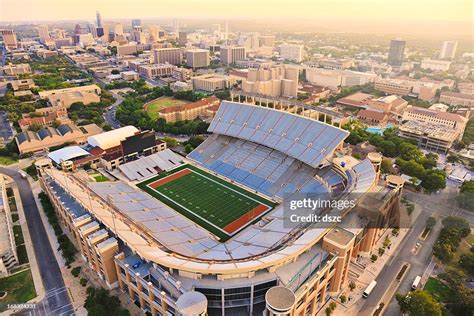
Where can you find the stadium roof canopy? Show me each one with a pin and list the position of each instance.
(302, 138)
(67, 153)
(111, 138)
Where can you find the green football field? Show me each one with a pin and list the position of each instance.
(213, 203)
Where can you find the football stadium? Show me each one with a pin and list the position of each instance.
(205, 234)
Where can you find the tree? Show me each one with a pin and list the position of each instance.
(381, 251)
(195, 141)
(188, 148)
(100, 303)
(465, 199)
(458, 223)
(115, 72)
(419, 303)
(328, 311)
(434, 180)
(462, 299)
(430, 222)
(352, 286)
(443, 252)
(466, 261)
(373, 258)
(170, 141)
(452, 158)
(386, 166)
(343, 299)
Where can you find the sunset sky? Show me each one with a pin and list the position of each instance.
(457, 14)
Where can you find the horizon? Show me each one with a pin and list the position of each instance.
(366, 16)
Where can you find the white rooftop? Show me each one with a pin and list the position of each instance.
(67, 153)
(111, 138)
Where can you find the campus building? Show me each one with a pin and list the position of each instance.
(455, 98)
(8, 252)
(67, 96)
(59, 115)
(47, 137)
(274, 81)
(16, 69)
(396, 52)
(170, 55)
(433, 117)
(292, 52)
(197, 58)
(213, 82)
(9, 39)
(204, 108)
(231, 54)
(152, 71)
(172, 263)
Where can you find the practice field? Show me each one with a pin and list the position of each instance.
(154, 106)
(213, 203)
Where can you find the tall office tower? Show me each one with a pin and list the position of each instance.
(267, 40)
(176, 25)
(154, 33)
(226, 30)
(43, 33)
(448, 49)
(292, 52)
(197, 58)
(99, 19)
(182, 38)
(93, 30)
(137, 23)
(60, 33)
(9, 39)
(231, 54)
(170, 55)
(99, 31)
(118, 29)
(396, 52)
(137, 35)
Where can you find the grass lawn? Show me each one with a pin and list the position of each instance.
(6, 161)
(22, 255)
(20, 289)
(439, 291)
(101, 178)
(18, 235)
(217, 205)
(154, 106)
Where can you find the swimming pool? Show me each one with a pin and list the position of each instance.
(378, 130)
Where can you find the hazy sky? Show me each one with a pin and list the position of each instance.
(426, 13)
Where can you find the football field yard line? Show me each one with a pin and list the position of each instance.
(213, 204)
(186, 188)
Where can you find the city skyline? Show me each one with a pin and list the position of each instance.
(358, 16)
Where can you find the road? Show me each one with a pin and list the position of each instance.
(109, 115)
(436, 205)
(57, 300)
(6, 131)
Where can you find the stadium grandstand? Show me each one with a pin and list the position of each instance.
(212, 229)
